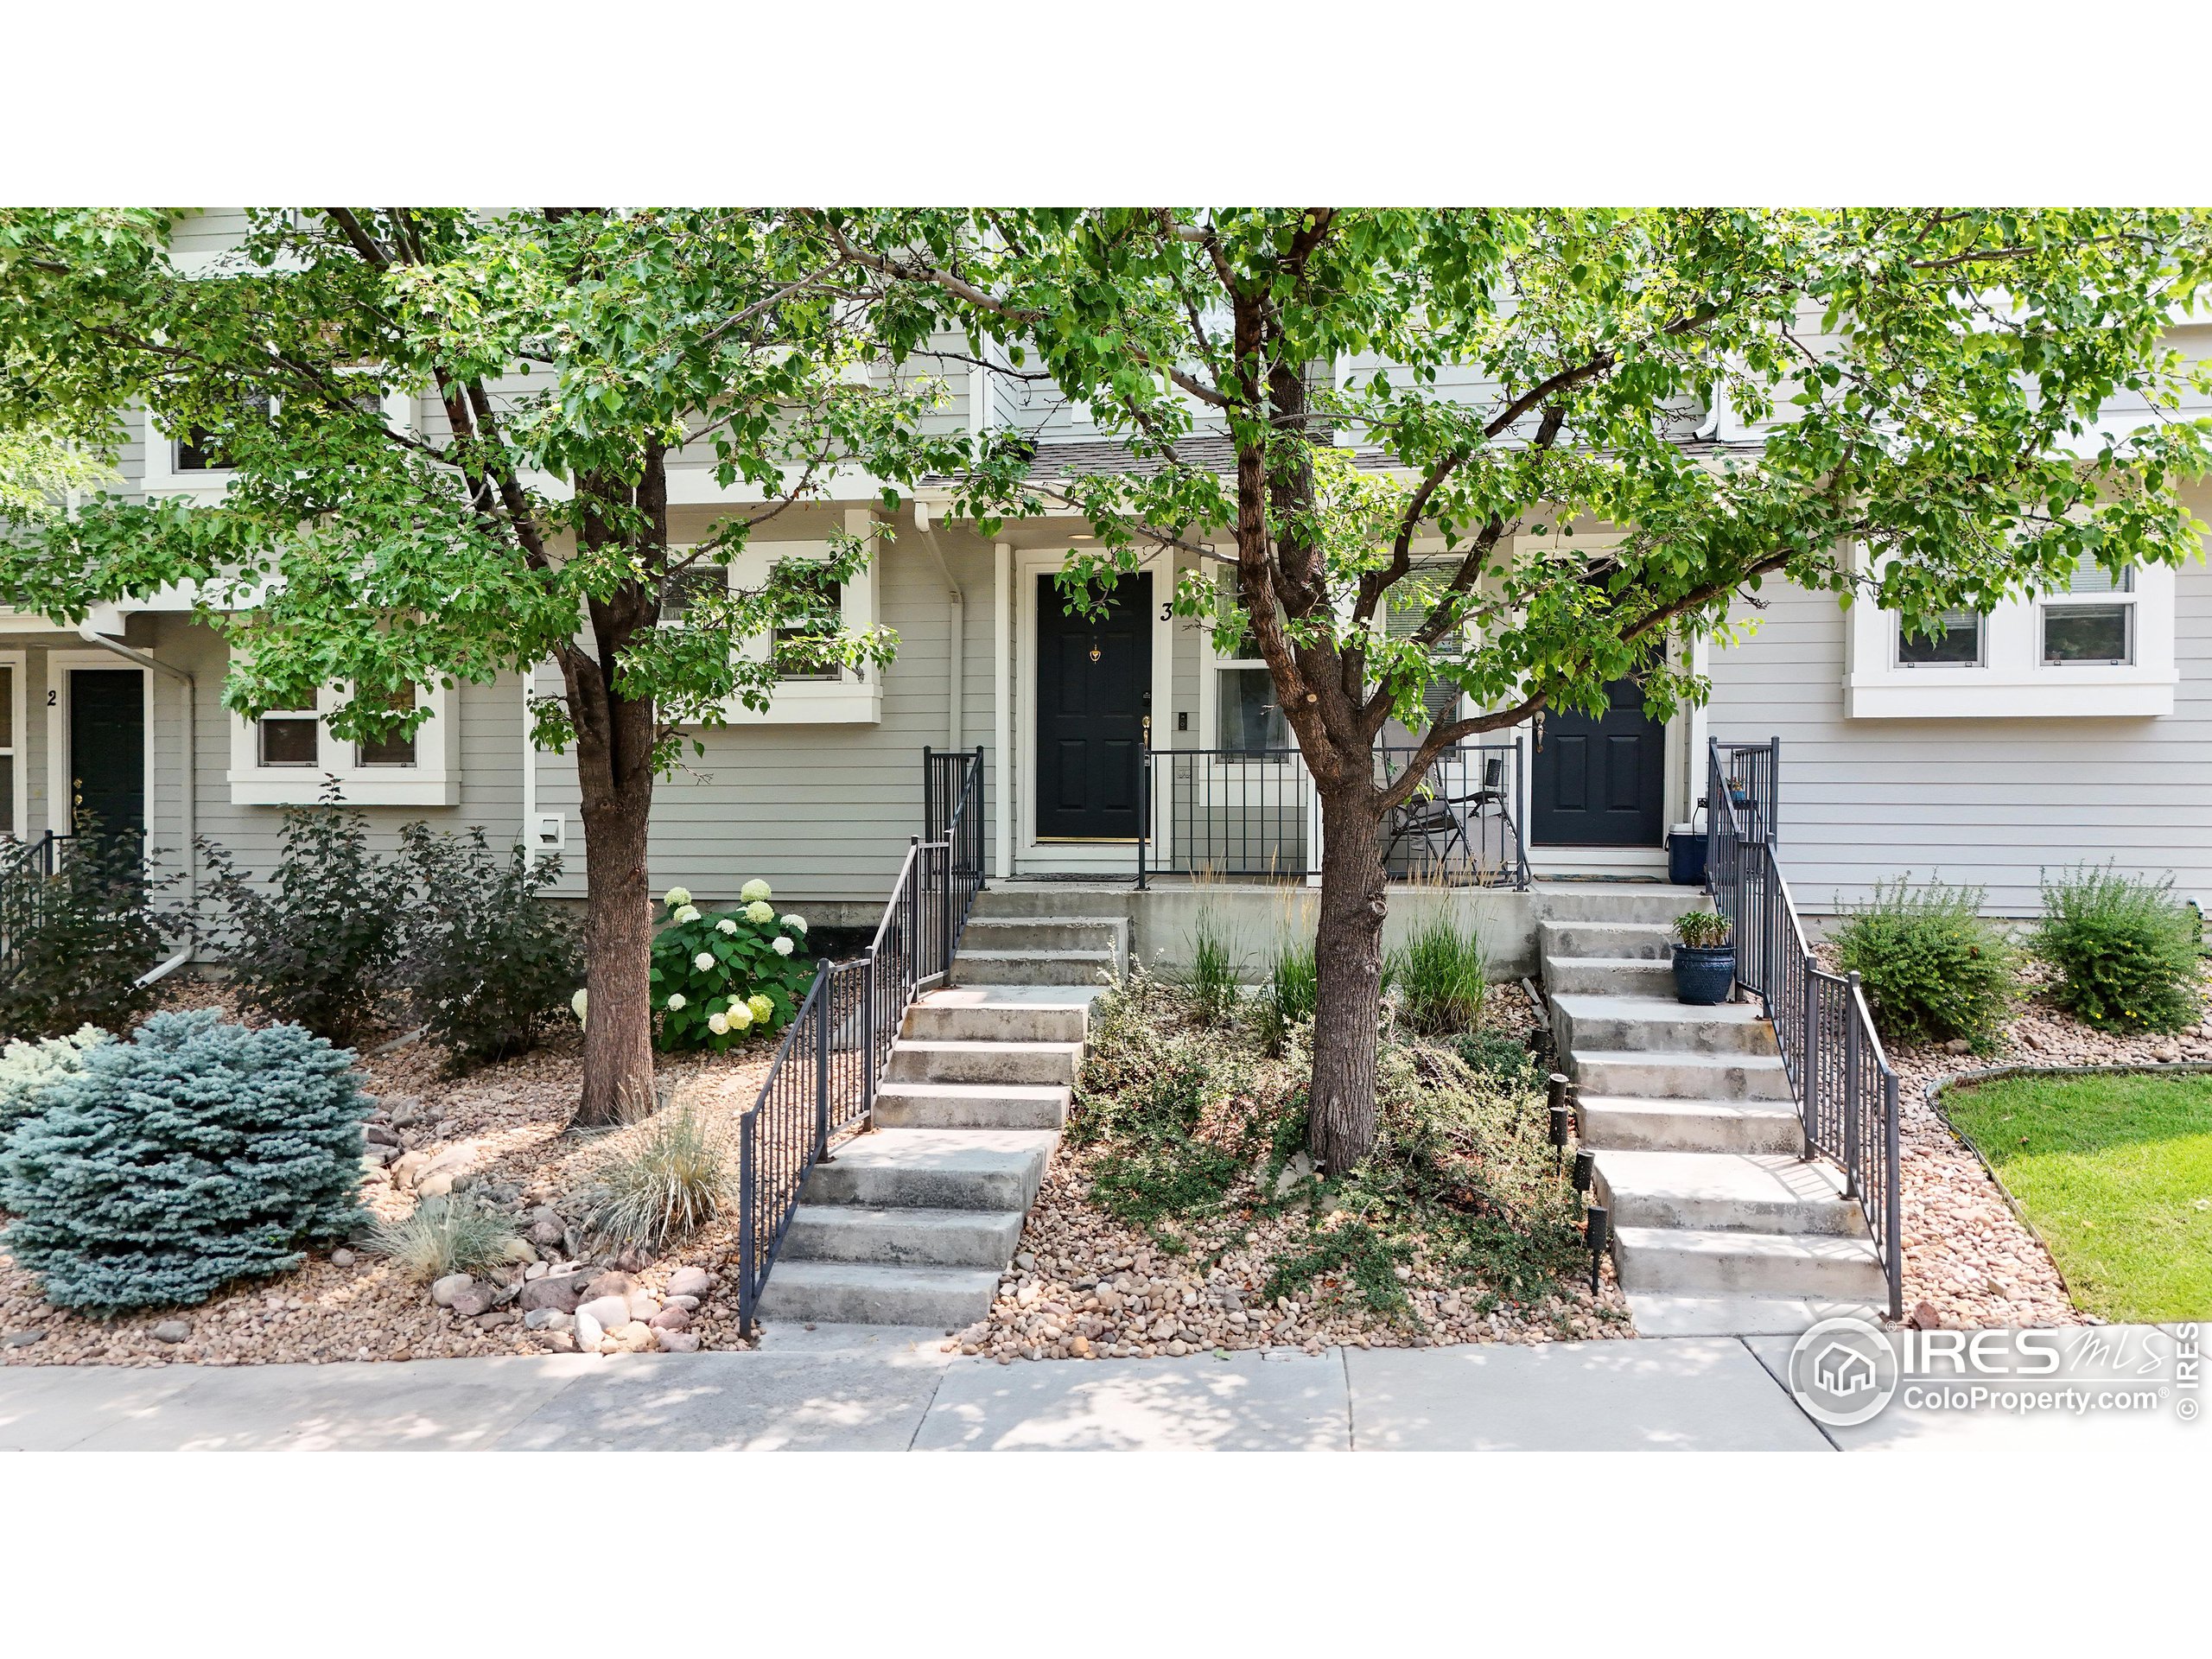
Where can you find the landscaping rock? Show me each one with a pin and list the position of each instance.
(559, 1291)
(611, 1284)
(173, 1330)
(549, 1318)
(474, 1300)
(588, 1332)
(688, 1304)
(407, 1167)
(634, 1260)
(670, 1319)
(498, 1320)
(21, 1339)
(608, 1311)
(342, 1258)
(676, 1342)
(378, 1134)
(643, 1304)
(691, 1281)
(1295, 1175)
(546, 1235)
(443, 1291)
(635, 1337)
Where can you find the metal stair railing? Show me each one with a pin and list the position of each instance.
(27, 873)
(822, 1079)
(1844, 1087)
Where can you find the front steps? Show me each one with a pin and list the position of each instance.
(1721, 1223)
(913, 1223)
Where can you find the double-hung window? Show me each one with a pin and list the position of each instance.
(2093, 621)
(1248, 711)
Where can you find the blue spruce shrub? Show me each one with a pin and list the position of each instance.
(195, 1154)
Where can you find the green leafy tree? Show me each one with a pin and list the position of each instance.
(1405, 393)
(568, 355)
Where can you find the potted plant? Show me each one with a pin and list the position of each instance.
(1705, 961)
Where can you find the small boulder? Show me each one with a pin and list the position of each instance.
(670, 1319)
(498, 1319)
(443, 1291)
(343, 1258)
(560, 1292)
(548, 1319)
(475, 1301)
(588, 1332)
(634, 1260)
(22, 1338)
(610, 1284)
(557, 1342)
(677, 1342)
(643, 1304)
(546, 1235)
(691, 1281)
(608, 1311)
(404, 1110)
(516, 1250)
(173, 1330)
(688, 1304)
(378, 1134)
(405, 1168)
(632, 1337)
(435, 1187)
(1295, 1175)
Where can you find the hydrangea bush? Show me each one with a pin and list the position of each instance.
(28, 1069)
(196, 1153)
(719, 979)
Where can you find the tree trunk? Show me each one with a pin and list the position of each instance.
(618, 950)
(1348, 948)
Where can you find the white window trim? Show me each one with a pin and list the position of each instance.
(18, 705)
(855, 698)
(433, 780)
(60, 818)
(2013, 681)
(2131, 598)
(160, 473)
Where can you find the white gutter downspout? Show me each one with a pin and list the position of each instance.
(189, 759)
(956, 629)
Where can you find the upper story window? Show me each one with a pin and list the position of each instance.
(826, 606)
(2093, 621)
(688, 586)
(285, 757)
(197, 451)
(1954, 641)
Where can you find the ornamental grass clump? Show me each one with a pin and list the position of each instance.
(2126, 948)
(195, 1154)
(720, 978)
(453, 1234)
(674, 1182)
(1930, 966)
(1440, 975)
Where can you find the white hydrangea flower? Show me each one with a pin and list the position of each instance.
(755, 889)
(726, 926)
(783, 944)
(760, 910)
(675, 1001)
(741, 1016)
(719, 1024)
(797, 924)
(677, 897)
(580, 1002)
(689, 914)
(760, 1006)
(703, 960)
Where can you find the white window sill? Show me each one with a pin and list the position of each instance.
(816, 702)
(1976, 694)
(303, 788)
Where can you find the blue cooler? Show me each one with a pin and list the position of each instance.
(1686, 857)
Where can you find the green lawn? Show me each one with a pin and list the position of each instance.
(2116, 1174)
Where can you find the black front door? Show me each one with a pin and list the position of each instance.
(107, 748)
(1094, 689)
(1601, 783)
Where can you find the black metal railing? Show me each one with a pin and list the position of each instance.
(27, 869)
(1846, 1090)
(1253, 812)
(822, 1079)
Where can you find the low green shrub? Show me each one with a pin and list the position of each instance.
(1499, 1057)
(453, 1234)
(320, 944)
(719, 979)
(2126, 948)
(488, 960)
(92, 934)
(28, 1069)
(1440, 975)
(196, 1153)
(1931, 965)
(1702, 929)
(672, 1183)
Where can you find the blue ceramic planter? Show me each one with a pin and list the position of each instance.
(1704, 974)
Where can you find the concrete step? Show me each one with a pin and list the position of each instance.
(1574, 901)
(1033, 967)
(903, 1237)
(1659, 1024)
(864, 1293)
(976, 1016)
(1088, 900)
(1727, 1191)
(1609, 976)
(1654, 1314)
(1644, 941)
(1753, 1126)
(1032, 934)
(919, 1061)
(1701, 1262)
(936, 1169)
(971, 1106)
(1680, 1076)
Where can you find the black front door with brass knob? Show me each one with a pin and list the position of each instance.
(107, 748)
(1094, 695)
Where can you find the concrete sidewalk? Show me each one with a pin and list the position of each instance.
(861, 1389)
